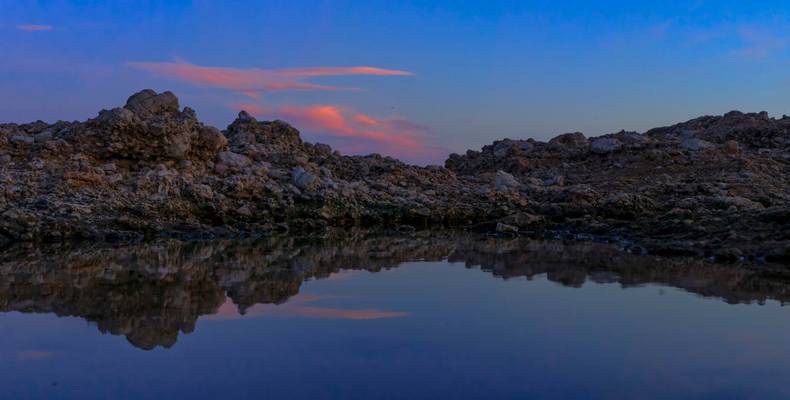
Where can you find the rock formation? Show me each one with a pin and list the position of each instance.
(712, 186)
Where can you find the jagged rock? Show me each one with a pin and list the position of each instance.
(43, 136)
(233, 160)
(246, 117)
(23, 139)
(147, 169)
(570, 140)
(147, 102)
(505, 181)
(303, 179)
(605, 145)
(505, 228)
(694, 144)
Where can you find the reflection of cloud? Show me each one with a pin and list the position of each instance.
(355, 132)
(31, 355)
(336, 313)
(295, 308)
(251, 81)
(33, 27)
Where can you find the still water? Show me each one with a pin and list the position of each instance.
(362, 316)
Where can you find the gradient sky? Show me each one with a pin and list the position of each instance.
(439, 76)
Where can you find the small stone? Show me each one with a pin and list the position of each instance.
(244, 210)
(202, 191)
(323, 149)
(303, 179)
(694, 144)
(731, 147)
(43, 136)
(504, 181)
(260, 168)
(108, 168)
(234, 160)
(605, 145)
(23, 139)
(505, 228)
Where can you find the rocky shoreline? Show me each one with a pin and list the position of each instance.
(713, 186)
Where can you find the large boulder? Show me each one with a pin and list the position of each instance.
(570, 140)
(148, 128)
(605, 145)
(147, 102)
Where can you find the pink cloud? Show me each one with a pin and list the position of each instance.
(325, 118)
(252, 81)
(337, 71)
(251, 108)
(357, 133)
(34, 27)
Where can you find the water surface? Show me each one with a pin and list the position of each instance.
(358, 316)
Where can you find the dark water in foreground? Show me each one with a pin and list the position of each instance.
(387, 317)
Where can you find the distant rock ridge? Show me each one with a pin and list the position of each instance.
(712, 186)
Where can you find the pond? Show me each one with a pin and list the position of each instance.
(358, 315)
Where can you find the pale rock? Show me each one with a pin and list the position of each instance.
(303, 179)
(605, 145)
(505, 181)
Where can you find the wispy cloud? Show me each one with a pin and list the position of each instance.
(31, 355)
(357, 133)
(759, 44)
(252, 81)
(34, 27)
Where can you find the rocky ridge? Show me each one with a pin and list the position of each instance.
(712, 186)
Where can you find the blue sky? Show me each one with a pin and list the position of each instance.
(478, 70)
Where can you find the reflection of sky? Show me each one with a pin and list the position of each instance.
(300, 306)
(481, 70)
(466, 335)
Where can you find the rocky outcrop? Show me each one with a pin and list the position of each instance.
(713, 186)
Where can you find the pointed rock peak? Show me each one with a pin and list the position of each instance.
(148, 102)
(244, 116)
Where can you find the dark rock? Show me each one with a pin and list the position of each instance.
(145, 169)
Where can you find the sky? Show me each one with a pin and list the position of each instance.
(411, 79)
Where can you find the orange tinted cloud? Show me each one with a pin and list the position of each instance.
(322, 117)
(34, 27)
(366, 120)
(355, 132)
(337, 71)
(251, 81)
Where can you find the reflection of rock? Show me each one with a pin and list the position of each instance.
(151, 292)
